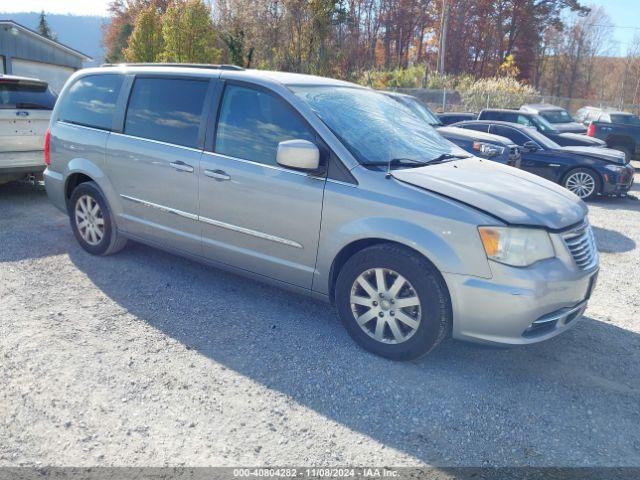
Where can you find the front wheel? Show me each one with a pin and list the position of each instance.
(583, 182)
(92, 222)
(393, 302)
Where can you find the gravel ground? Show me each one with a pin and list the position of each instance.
(146, 359)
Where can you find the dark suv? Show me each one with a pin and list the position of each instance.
(620, 130)
(541, 125)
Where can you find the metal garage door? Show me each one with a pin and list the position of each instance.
(55, 75)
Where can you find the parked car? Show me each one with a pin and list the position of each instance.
(540, 124)
(324, 187)
(620, 130)
(585, 171)
(25, 109)
(484, 145)
(556, 116)
(447, 118)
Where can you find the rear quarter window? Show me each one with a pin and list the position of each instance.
(91, 101)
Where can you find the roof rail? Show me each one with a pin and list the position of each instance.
(182, 65)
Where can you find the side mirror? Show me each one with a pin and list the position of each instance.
(298, 154)
(531, 146)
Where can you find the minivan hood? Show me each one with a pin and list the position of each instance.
(514, 196)
(601, 153)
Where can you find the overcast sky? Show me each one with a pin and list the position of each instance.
(623, 13)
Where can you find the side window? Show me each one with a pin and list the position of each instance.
(166, 109)
(522, 120)
(91, 101)
(511, 133)
(252, 123)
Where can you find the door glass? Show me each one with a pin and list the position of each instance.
(522, 120)
(252, 123)
(510, 133)
(166, 109)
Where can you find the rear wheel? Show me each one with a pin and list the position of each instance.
(583, 182)
(393, 302)
(92, 221)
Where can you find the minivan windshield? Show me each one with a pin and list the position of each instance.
(375, 128)
(28, 96)
(420, 110)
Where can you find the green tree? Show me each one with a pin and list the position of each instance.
(43, 27)
(146, 42)
(188, 33)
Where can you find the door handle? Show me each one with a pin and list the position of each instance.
(181, 166)
(217, 174)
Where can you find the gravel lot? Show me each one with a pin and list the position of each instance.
(145, 359)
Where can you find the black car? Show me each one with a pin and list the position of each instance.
(586, 171)
(621, 130)
(541, 125)
(485, 145)
(448, 118)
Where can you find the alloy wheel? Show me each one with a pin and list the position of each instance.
(385, 305)
(89, 220)
(581, 183)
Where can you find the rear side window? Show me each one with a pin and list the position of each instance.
(91, 101)
(166, 109)
(252, 123)
(25, 95)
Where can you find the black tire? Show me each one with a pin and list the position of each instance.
(435, 304)
(111, 241)
(585, 171)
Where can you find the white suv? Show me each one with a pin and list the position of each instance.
(25, 110)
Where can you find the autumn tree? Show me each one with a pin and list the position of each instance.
(188, 33)
(146, 42)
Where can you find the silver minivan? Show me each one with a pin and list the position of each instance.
(326, 188)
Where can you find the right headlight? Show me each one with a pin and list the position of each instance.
(518, 247)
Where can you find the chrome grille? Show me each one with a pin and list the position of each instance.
(582, 245)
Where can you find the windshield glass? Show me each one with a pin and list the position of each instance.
(420, 110)
(374, 127)
(626, 119)
(556, 116)
(542, 124)
(26, 95)
(540, 139)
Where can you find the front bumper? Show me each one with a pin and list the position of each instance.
(621, 183)
(520, 306)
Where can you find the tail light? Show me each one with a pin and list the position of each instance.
(591, 131)
(47, 145)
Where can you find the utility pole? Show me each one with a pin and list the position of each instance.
(443, 37)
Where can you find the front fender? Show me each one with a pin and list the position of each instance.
(455, 248)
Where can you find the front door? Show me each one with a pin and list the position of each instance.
(153, 163)
(255, 214)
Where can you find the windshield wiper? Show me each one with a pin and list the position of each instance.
(397, 162)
